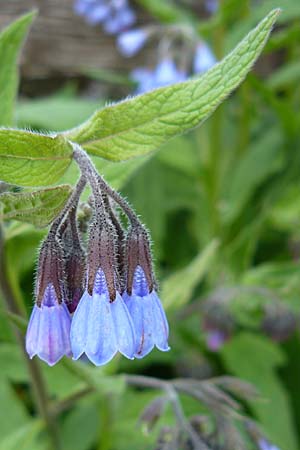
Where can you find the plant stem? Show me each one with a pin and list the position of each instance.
(88, 169)
(36, 379)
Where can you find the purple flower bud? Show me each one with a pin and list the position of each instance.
(130, 42)
(144, 305)
(218, 324)
(48, 332)
(215, 339)
(74, 261)
(212, 6)
(204, 58)
(279, 324)
(101, 327)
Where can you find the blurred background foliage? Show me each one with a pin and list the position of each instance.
(222, 204)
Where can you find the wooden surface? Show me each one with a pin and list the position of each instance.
(61, 43)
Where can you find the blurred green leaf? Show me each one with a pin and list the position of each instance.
(178, 287)
(29, 159)
(263, 159)
(284, 76)
(255, 359)
(38, 208)
(25, 438)
(81, 426)
(13, 414)
(54, 113)
(138, 126)
(11, 39)
(290, 10)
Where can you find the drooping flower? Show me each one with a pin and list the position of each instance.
(101, 324)
(144, 305)
(114, 15)
(131, 41)
(164, 74)
(204, 58)
(48, 332)
(101, 327)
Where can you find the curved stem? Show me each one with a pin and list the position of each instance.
(88, 168)
(36, 379)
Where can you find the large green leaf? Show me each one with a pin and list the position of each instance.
(11, 40)
(139, 125)
(256, 359)
(38, 207)
(30, 159)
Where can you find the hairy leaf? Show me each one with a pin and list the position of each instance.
(140, 125)
(29, 159)
(11, 40)
(38, 207)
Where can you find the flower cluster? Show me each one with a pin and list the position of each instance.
(174, 62)
(102, 301)
(114, 15)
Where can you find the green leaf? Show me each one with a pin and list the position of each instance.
(140, 125)
(285, 75)
(24, 437)
(30, 159)
(54, 113)
(11, 40)
(256, 359)
(262, 160)
(178, 288)
(38, 207)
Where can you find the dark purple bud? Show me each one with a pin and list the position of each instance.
(138, 254)
(218, 324)
(102, 254)
(74, 262)
(279, 324)
(50, 270)
(153, 412)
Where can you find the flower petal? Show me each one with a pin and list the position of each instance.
(124, 328)
(140, 310)
(161, 327)
(32, 333)
(101, 342)
(51, 344)
(79, 325)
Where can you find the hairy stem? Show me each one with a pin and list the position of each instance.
(36, 379)
(87, 167)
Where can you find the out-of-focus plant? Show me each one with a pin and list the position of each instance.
(221, 205)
